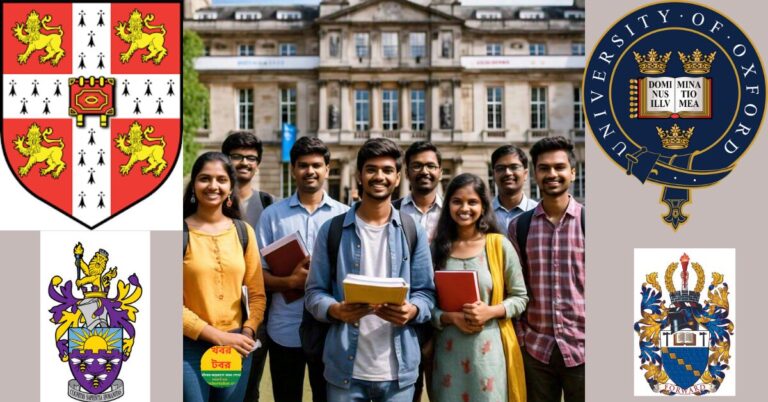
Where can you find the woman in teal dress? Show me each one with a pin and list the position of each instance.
(477, 357)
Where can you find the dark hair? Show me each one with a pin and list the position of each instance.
(376, 147)
(549, 144)
(242, 139)
(309, 146)
(446, 232)
(505, 150)
(190, 207)
(419, 147)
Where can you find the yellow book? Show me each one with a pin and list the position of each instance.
(373, 290)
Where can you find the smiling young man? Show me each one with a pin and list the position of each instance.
(372, 352)
(244, 150)
(551, 332)
(423, 164)
(304, 212)
(510, 170)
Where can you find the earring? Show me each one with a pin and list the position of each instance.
(192, 199)
(229, 201)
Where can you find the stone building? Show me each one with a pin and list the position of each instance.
(467, 78)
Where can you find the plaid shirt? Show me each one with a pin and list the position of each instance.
(556, 309)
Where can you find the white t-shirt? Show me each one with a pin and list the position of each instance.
(375, 359)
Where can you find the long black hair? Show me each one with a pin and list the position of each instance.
(446, 232)
(190, 207)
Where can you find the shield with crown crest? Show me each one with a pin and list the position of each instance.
(92, 103)
(684, 345)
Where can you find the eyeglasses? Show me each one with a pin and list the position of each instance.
(503, 168)
(238, 158)
(417, 167)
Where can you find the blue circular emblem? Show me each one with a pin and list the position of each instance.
(674, 93)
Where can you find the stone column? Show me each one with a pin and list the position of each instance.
(434, 101)
(302, 108)
(405, 106)
(376, 107)
(322, 121)
(457, 109)
(346, 107)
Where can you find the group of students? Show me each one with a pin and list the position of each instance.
(523, 340)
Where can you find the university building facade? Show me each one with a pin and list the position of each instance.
(466, 78)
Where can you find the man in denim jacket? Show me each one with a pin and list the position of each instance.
(371, 352)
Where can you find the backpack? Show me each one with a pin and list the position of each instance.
(313, 332)
(522, 228)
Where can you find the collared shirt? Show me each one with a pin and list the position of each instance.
(427, 220)
(279, 220)
(323, 291)
(556, 308)
(504, 216)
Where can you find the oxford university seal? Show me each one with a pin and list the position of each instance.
(675, 94)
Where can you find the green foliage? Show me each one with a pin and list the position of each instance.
(195, 99)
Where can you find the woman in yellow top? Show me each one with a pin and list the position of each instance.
(215, 270)
(477, 357)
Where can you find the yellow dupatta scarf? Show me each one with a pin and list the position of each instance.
(515, 373)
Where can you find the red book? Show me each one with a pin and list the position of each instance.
(455, 289)
(282, 256)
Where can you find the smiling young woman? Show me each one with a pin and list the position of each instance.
(215, 269)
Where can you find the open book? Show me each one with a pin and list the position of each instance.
(665, 97)
(374, 290)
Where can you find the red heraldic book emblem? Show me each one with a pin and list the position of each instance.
(91, 102)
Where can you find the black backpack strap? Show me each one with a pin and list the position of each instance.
(266, 199)
(185, 239)
(409, 227)
(334, 242)
(397, 203)
(583, 221)
(242, 233)
(521, 230)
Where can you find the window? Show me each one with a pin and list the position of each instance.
(287, 49)
(532, 15)
(361, 44)
(574, 14)
(362, 110)
(535, 190)
(206, 15)
(493, 49)
(446, 47)
(495, 107)
(288, 15)
(488, 15)
(389, 44)
(418, 41)
(577, 48)
(245, 109)
(579, 187)
(287, 106)
(207, 50)
(389, 104)
(538, 108)
(247, 15)
(246, 50)
(578, 116)
(418, 109)
(537, 49)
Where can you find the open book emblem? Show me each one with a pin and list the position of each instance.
(674, 94)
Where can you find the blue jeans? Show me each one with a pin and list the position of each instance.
(365, 391)
(196, 389)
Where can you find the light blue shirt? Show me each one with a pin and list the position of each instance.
(322, 291)
(279, 220)
(504, 216)
(427, 220)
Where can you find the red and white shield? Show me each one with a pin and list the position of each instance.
(91, 102)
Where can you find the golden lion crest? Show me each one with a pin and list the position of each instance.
(138, 151)
(138, 39)
(31, 146)
(36, 40)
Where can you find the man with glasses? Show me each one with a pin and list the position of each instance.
(245, 150)
(423, 166)
(510, 170)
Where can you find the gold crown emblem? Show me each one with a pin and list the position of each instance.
(697, 63)
(675, 138)
(652, 63)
